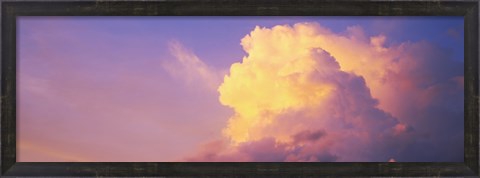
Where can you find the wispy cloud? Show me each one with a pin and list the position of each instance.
(189, 68)
(32, 152)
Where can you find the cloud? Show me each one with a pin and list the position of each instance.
(31, 152)
(188, 67)
(307, 94)
(264, 150)
(308, 136)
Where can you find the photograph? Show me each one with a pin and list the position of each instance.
(240, 89)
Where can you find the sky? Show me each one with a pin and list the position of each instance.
(247, 89)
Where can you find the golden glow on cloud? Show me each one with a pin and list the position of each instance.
(270, 80)
(277, 73)
(308, 94)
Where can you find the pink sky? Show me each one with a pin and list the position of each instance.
(129, 90)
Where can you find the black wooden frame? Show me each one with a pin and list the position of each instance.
(11, 9)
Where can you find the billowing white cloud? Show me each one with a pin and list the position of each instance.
(304, 93)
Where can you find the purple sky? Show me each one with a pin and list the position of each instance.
(108, 88)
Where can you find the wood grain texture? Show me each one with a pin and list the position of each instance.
(8, 88)
(10, 10)
(239, 169)
(471, 89)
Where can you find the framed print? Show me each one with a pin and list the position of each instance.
(230, 88)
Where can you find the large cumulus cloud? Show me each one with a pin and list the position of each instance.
(304, 93)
